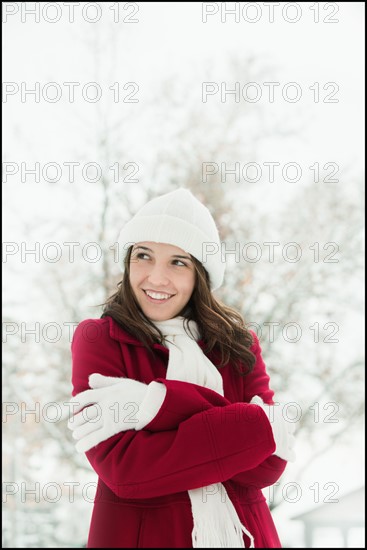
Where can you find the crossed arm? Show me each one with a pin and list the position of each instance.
(196, 437)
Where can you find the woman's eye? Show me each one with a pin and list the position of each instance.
(141, 255)
(179, 262)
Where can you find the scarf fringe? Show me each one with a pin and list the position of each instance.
(216, 523)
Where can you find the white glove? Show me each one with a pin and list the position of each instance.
(113, 407)
(283, 429)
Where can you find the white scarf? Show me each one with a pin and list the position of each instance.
(216, 523)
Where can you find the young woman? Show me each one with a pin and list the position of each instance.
(171, 396)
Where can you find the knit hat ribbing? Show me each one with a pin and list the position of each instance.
(179, 219)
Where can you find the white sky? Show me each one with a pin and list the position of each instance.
(170, 38)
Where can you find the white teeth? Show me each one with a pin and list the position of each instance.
(158, 295)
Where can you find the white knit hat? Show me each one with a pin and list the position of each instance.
(177, 218)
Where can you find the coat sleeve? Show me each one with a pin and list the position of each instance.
(264, 475)
(224, 439)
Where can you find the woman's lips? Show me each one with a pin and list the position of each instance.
(157, 297)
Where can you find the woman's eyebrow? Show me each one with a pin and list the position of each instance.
(142, 247)
(179, 256)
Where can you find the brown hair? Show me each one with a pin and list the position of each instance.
(221, 327)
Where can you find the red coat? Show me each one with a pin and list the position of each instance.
(198, 438)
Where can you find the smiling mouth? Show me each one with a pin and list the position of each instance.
(158, 296)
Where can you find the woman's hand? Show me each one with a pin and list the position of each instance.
(283, 429)
(111, 406)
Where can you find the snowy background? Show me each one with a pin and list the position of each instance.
(259, 111)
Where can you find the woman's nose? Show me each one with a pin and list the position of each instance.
(158, 275)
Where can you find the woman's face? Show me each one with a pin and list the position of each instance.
(162, 277)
